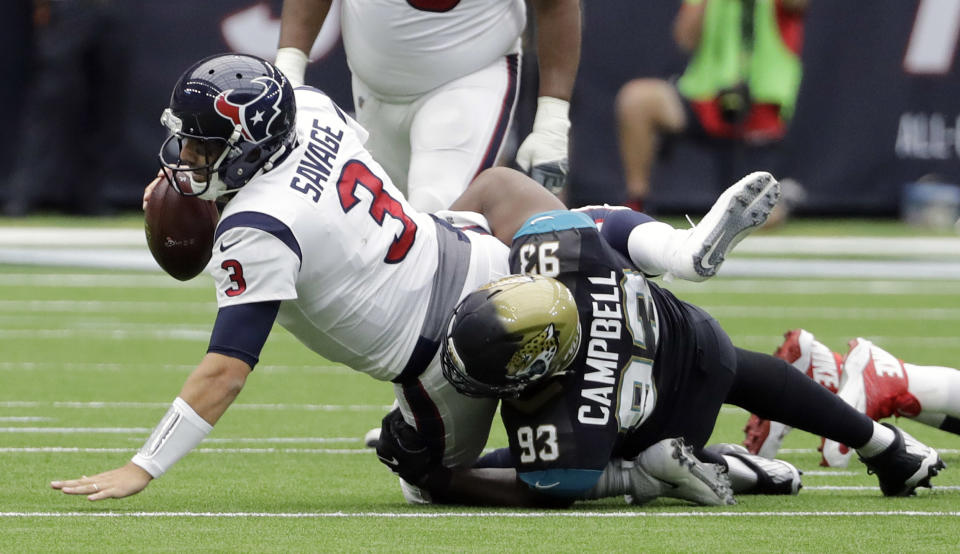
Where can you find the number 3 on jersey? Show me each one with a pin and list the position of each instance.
(356, 174)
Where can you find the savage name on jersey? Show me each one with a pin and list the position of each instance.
(328, 235)
(608, 403)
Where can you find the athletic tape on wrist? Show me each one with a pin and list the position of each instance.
(179, 432)
(293, 63)
(553, 115)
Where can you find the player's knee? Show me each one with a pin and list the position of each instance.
(649, 100)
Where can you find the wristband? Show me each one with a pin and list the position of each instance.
(179, 432)
(293, 63)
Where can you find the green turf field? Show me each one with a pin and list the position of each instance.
(92, 358)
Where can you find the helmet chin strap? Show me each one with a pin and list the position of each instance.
(215, 187)
(218, 187)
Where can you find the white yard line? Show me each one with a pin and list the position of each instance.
(492, 514)
(179, 368)
(148, 307)
(125, 249)
(100, 280)
(839, 244)
(80, 450)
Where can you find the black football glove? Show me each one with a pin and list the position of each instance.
(405, 451)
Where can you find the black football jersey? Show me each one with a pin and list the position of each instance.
(562, 437)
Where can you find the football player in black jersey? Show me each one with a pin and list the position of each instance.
(604, 375)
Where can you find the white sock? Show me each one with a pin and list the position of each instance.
(614, 481)
(881, 439)
(651, 245)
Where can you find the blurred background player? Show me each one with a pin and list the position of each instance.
(435, 82)
(871, 380)
(738, 89)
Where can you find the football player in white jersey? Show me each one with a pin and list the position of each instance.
(436, 81)
(313, 235)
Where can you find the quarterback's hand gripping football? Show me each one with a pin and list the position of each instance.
(117, 483)
(149, 189)
(405, 451)
(543, 154)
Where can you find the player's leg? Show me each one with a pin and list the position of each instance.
(454, 425)
(645, 109)
(459, 130)
(772, 389)
(809, 356)
(881, 385)
(943, 422)
(937, 390)
(694, 254)
(389, 126)
(449, 422)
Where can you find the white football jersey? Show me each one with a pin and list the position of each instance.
(328, 234)
(403, 48)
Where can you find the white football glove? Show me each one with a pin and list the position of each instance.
(543, 154)
(293, 63)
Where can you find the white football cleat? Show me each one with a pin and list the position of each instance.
(740, 209)
(875, 383)
(669, 468)
(764, 476)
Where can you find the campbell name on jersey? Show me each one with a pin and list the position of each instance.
(403, 48)
(328, 234)
(611, 387)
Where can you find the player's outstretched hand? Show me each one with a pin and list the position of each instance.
(117, 483)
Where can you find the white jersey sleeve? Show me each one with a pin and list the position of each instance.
(253, 265)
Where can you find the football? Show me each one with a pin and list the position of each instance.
(179, 229)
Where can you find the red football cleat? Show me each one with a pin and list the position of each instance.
(804, 352)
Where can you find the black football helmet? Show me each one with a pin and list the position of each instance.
(236, 114)
(509, 335)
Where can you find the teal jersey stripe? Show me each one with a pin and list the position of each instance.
(562, 482)
(554, 220)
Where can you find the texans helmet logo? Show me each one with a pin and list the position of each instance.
(253, 117)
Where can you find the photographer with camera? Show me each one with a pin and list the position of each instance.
(740, 84)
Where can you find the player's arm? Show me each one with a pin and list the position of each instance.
(543, 153)
(688, 24)
(300, 23)
(402, 449)
(494, 487)
(238, 336)
(558, 46)
(506, 198)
